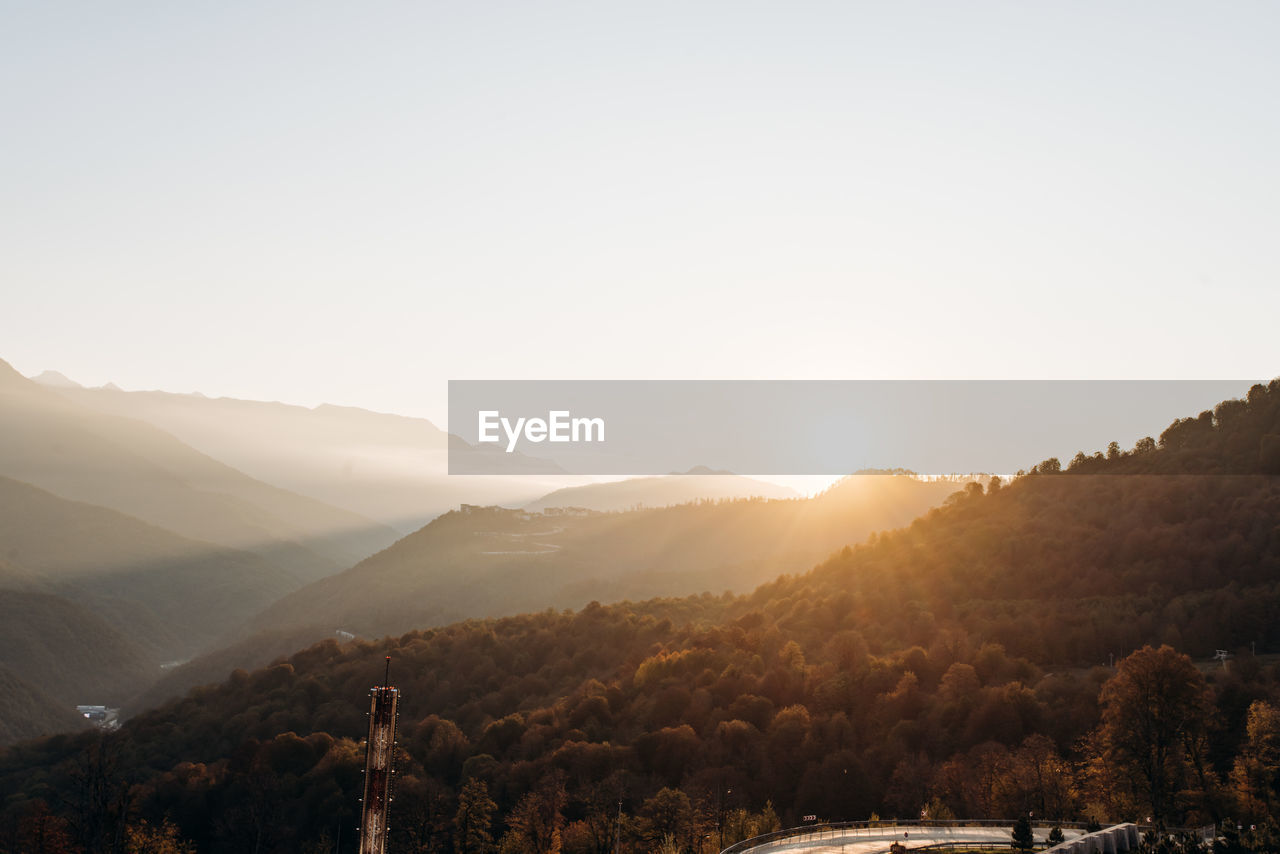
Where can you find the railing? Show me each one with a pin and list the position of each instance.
(952, 846)
(852, 828)
(849, 828)
(1207, 833)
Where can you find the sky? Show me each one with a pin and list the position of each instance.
(354, 203)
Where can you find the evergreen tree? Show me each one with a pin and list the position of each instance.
(475, 817)
(1023, 839)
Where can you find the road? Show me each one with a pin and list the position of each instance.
(543, 548)
(867, 840)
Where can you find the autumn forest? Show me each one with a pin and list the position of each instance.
(1044, 644)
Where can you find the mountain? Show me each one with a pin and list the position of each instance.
(84, 455)
(53, 379)
(487, 561)
(26, 712)
(175, 594)
(658, 492)
(490, 561)
(122, 549)
(390, 468)
(65, 652)
(94, 602)
(957, 666)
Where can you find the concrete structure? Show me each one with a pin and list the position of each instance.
(1122, 837)
(101, 716)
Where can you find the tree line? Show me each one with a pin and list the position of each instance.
(1022, 649)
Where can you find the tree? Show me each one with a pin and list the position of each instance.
(98, 795)
(1023, 838)
(1049, 466)
(42, 832)
(424, 814)
(475, 816)
(1056, 836)
(1256, 773)
(767, 820)
(1042, 778)
(1100, 785)
(163, 838)
(1153, 708)
(536, 822)
(669, 814)
(668, 845)
(936, 810)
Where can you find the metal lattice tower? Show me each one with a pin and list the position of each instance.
(379, 764)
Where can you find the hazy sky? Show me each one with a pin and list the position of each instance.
(355, 202)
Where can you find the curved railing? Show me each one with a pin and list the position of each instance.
(847, 828)
(851, 828)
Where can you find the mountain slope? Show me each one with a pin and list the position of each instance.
(386, 467)
(64, 653)
(93, 602)
(179, 594)
(126, 465)
(658, 492)
(27, 712)
(490, 561)
(943, 666)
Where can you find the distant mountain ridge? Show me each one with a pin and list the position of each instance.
(391, 468)
(122, 548)
(78, 453)
(54, 379)
(388, 467)
(660, 491)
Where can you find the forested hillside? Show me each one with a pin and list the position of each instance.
(93, 602)
(491, 561)
(958, 667)
(28, 712)
(122, 549)
(175, 595)
(697, 484)
(67, 653)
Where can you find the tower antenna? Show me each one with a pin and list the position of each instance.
(379, 765)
